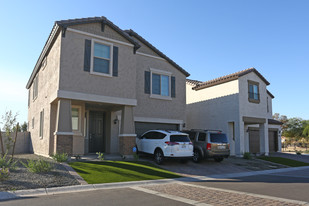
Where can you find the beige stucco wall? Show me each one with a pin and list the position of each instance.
(250, 109)
(48, 82)
(145, 49)
(74, 78)
(217, 91)
(159, 108)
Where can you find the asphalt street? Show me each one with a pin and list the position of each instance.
(291, 185)
(278, 187)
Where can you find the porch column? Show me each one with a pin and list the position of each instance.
(240, 139)
(264, 144)
(279, 140)
(63, 139)
(127, 131)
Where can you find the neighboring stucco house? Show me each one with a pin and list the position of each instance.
(240, 105)
(96, 86)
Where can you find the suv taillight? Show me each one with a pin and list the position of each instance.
(208, 146)
(171, 143)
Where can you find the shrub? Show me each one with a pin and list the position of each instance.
(4, 173)
(247, 156)
(62, 157)
(298, 152)
(100, 156)
(7, 162)
(38, 166)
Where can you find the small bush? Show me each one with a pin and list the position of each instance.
(247, 156)
(4, 173)
(100, 156)
(298, 152)
(7, 162)
(136, 157)
(38, 166)
(63, 157)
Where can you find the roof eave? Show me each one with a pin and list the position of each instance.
(133, 33)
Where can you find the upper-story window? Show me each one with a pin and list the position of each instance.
(254, 95)
(101, 61)
(160, 84)
(35, 87)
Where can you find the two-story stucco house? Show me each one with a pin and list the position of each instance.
(240, 105)
(96, 86)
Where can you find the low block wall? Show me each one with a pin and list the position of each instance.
(23, 142)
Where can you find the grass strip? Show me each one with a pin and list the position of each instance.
(284, 161)
(119, 171)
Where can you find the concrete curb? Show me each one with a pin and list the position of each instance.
(80, 188)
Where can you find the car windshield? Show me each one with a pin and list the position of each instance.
(218, 138)
(180, 138)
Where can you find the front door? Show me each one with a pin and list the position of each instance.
(96, 132)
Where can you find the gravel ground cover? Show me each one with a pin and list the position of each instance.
(21, 178)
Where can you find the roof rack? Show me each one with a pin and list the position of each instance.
(217, 130)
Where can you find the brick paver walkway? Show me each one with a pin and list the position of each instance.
(214, 196)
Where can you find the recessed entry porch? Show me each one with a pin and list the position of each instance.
(84, 127)
(260, 138)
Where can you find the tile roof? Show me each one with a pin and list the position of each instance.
(270, 94)
(193, 82)
(228, 78)
(144, 41)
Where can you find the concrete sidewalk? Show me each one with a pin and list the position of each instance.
(81, 188)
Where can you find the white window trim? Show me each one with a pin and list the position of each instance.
(78, 132)
(111, 58)
(41, 128)
(161, 72)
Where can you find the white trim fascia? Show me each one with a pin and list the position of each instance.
(151, 56)
(156, 96)
(100, 37)
(158, 120)
(95, 98)
(63, 133)
(159, 71)
(127, 135)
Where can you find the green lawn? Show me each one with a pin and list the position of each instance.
(119, 171)
(284, 161)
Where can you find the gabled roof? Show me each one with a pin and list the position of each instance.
(270, 94)
(273, 121)
(228, 78)
(103, 20)
(193, 82)
(63, 24)
(144, 41)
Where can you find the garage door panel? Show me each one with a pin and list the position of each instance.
(142, 127)
(254, 141)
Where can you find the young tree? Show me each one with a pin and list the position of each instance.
(9, 121)
(24, 127)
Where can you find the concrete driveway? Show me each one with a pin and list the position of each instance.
(210, 167)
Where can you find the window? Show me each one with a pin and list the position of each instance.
(218, 138)
(35, 87)
(101, 58)
(267, 105)
(179, 138)
(254, 95)
(75, 118)
(32, 124)
(154, 135)
(160, 84)
(41, 123)
(202, 137)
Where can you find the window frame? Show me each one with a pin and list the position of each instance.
(79, 118)
(35, 87)
(41, 129)
(252, 100)
(164, 73)
(111, 46)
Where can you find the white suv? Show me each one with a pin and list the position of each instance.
(162, 144)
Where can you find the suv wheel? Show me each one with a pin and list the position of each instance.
(218, 159)
(158, 156)
(196, 156)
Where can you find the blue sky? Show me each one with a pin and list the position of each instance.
(209, 39)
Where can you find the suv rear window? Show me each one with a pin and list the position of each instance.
(218, 138)
(180, 138)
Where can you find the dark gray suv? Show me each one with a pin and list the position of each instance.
(209, 144)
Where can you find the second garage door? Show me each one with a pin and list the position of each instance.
(142, 127)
